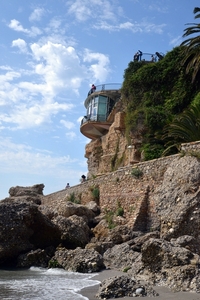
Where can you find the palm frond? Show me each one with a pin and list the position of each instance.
(192, 47)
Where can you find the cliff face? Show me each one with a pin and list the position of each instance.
(111, 151)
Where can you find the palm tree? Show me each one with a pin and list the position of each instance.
(192, 46)
(184, 129)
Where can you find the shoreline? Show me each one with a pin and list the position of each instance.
(164, 292)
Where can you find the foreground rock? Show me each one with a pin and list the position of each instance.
(23, 228)
(120, 257)
(121, 286)
(78, 260)
(34, 190)
(177, 200)
(28, 230)
(36, 258)
(163, 263)
(74, 231)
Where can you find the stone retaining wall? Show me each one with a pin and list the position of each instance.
(122, 189)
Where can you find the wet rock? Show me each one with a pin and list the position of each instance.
(78, 260)
(36, 258)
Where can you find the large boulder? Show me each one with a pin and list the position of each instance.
(158, 254)
(176, 267)
(121, 286)
(116, 235)
(177, 199)
(88, 212)
(78, 260)
(120, 257)
(35, 258)
(74, 231)
(26, 191)
(23, 228)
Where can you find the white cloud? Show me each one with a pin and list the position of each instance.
(59, 66)
(93, 9)
(142, 27)
(81, 11)
(21, 44)
(67, 124)
(15, 25)
(108, 16)
(27, 117)
(55, 69)
(100, 68)
(9, 76)
(23, 158)
(160, 6)
(37, 14)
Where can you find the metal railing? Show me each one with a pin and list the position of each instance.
(107, 87)
(96, 117)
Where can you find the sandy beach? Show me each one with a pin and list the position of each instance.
(164, 293)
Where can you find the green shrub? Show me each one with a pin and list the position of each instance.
(53, 263)
(153, 94)
(95, 193)
(152, 151)
(120, 211)
(136, 172)
(109, 219)
(73, 199)
(126, 269)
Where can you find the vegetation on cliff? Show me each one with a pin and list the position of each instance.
(158, 94)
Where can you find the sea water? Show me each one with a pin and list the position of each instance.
(43, 284)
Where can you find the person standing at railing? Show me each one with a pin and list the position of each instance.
(93, 89)
(83, 178)
(140, 55)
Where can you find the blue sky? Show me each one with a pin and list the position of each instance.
(51, 53)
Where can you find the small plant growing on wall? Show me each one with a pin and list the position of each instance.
(136, 172)
(194, 154)
(120, 210)
(73, 199)
(95, 193)
(109, 218)
(126, 269)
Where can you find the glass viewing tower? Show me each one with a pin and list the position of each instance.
(99, 105)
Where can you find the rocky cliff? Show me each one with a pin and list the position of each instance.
(36, 231)
(111, 151)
